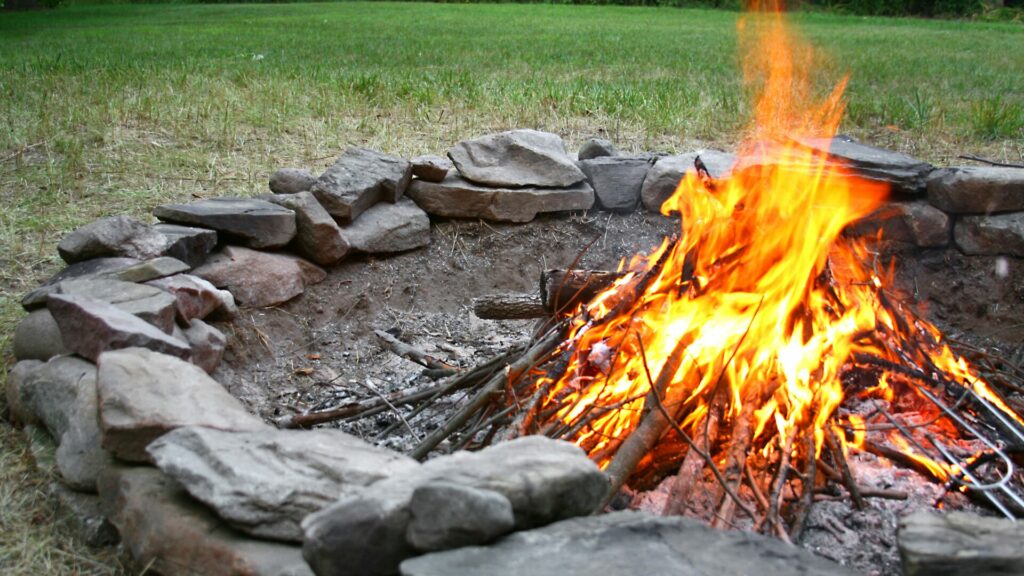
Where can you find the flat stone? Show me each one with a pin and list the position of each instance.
(147, 302)
(89, 327)
(259, 278)
(194, 296)
(148, 270)
(917, 224)
(207, 344)
(517, 158)
(37, 337)
(264, 483)
(430, 168)
(85, 269)
(170, 534)
(664, 176)
(902, 173)
(359, 179)
(257, 223)
(597, 148)
(447, 515)
(186, 243)
(977, 190)
(85, 513)
(458, 198)
(545, 480)
(318, 237)
(617, 181)
(144, 394)
(997, 234)
(387, 228)
(17, 378)
(627, 543)
(955, 543)
(291, 181)
(111, 236)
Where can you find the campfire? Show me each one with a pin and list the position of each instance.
(758, 347)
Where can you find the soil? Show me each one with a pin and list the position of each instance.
(319, 350)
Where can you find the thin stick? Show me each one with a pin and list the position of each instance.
(807, 497)
(412, 353)
(844, 468)
(689, 469)
(776, 498)
(369, 386)
(989, 162)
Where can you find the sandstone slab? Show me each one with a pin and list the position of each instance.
(318, 237)
(37, 337)
(195, 298)
(517, 158)
(259, 278)
(84, 269)
(991, 235)
(144, 394)
(666, 173)
(89, 327)
(627, 544)
(387, 228)
(916, 224)
(187, 243)
(111, 236)
(291, 181)
(445, 515)
(146, 302)
(265, 482)
(257, 223)
(902, 173)
(359, 179)
(207, 344)
(169, 533)
(617, 181)
(596, 148)
(148, 270)
(959, 543)
(977, 190)
(430, 168)
(455, 197)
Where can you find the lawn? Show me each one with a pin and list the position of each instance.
(114, 109)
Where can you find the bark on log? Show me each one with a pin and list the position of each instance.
(562, 290)
(509, 307)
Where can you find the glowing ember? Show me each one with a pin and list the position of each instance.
(760, 307)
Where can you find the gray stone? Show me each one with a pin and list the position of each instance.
(85, 269)
(903, 174)
(37, 337)
(318, 237)
(917, 224)
(617, 181)
(264, 483)
(291, 181)
(359, 179)
(977, 190)
(516, 158)
(168, 533)
(148, 270)
(80, 457)
(663, 178)
(597, 148)
(545, 480)
(953, 543)
(188, 244)
(144, 394)
(111, 236)
(257, 223)
(85, 514)
(430, 168)
(389, 228)
(996, 234)
(447, 515)
(18, 377)
(459, 198)
(627, 544)
(89, 327)
(207, 344)
(258, 278)
(147, 302)
(194, 296)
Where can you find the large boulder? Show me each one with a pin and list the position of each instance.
(933, 544)
(257, 223)
(144, 394)
(37, 337)
(291, 181)
(455, 197)
(259, 278)
(318, 237)
(266, 482)
(617, 180)
(990, 235)
(447, 515)
(389, 228)
(359, 179)
(111, 236)
(977, 190)
(663, 178)
(187, 243)
(89, 327)
(168, 533)
(368, 533)
(515, 159)
(627, 544)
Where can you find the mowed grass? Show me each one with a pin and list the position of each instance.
(114, 109)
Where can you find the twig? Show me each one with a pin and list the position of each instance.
(807, 497)
(989, 162)
(412, 353)
(369, 386)
(844, 468)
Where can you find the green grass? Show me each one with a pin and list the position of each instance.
(114, 109)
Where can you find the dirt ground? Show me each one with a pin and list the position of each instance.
(319, 350)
